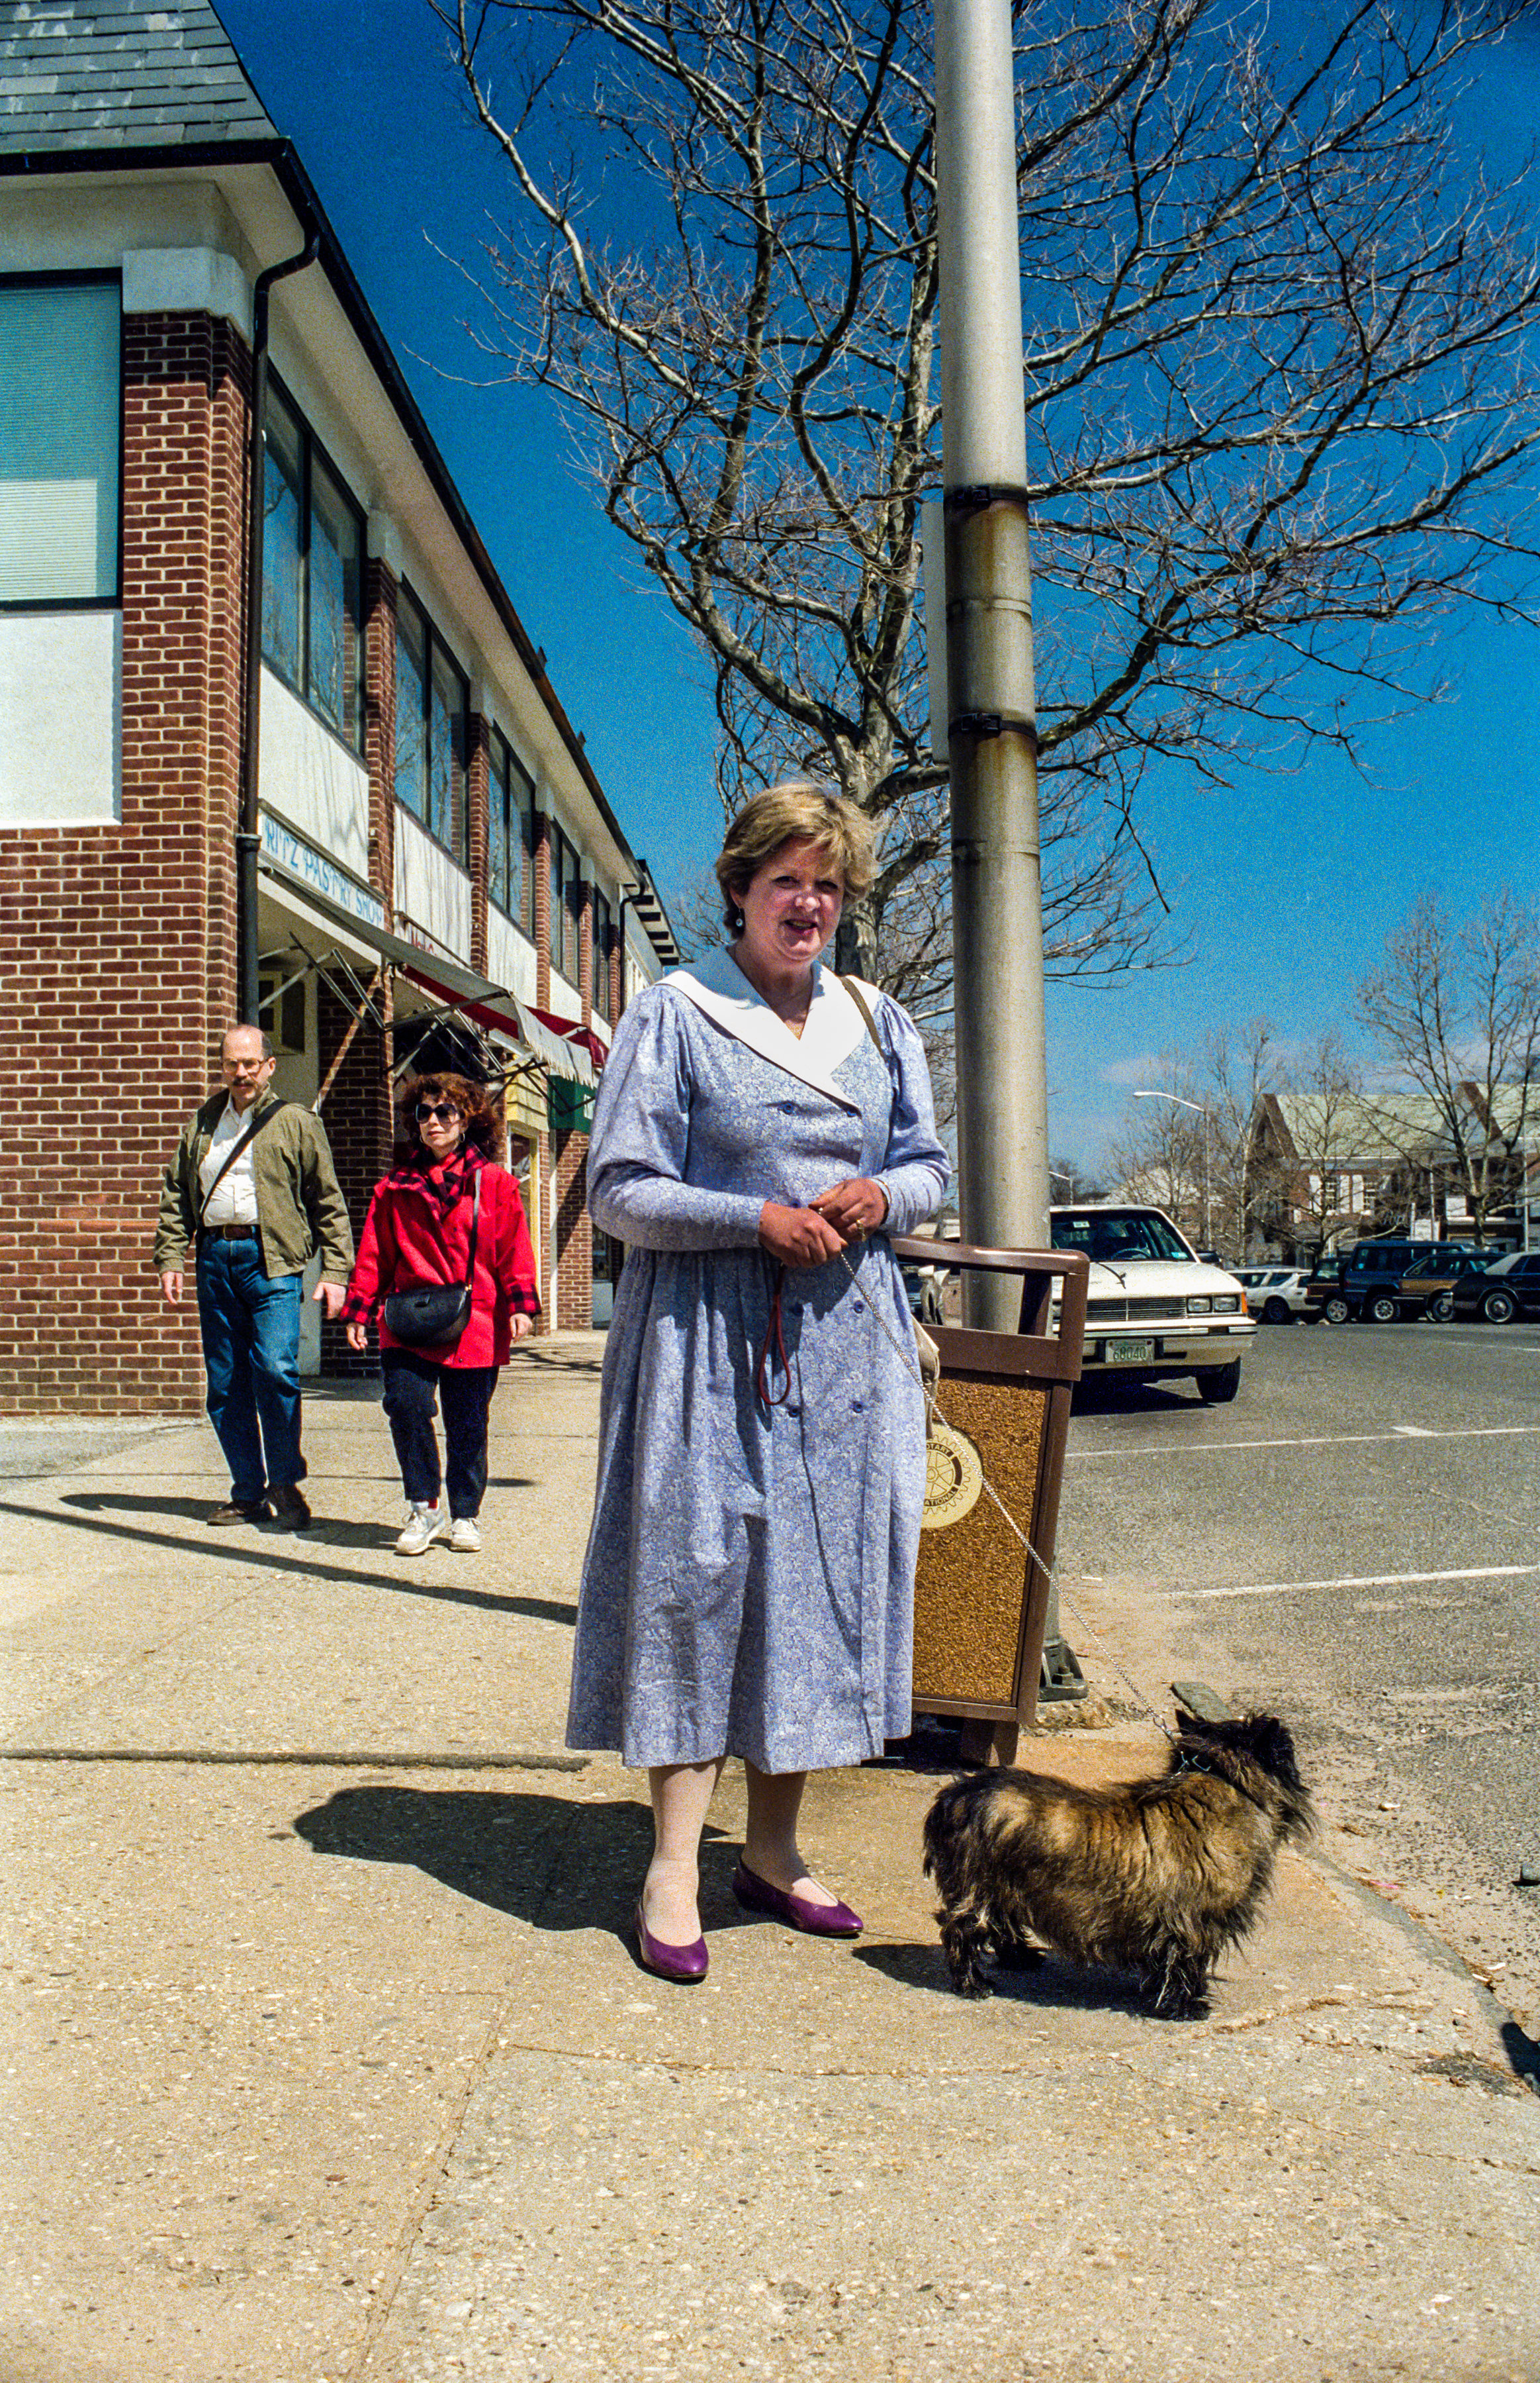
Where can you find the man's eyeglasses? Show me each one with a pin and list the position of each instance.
(445, 1111)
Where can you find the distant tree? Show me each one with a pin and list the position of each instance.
(1161, 1153)
(1457, 1010)
(1279, 389)
(1326, 1126)
(1069, 1182)
(1239, 1067)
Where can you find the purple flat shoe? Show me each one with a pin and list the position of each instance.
(756, 1894)
(683, 1965)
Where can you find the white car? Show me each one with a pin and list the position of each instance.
(1155, 1309)
(1276, 1294)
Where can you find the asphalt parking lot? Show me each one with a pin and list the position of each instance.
(1355, 1543)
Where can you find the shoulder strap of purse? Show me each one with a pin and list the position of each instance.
(859, 997)
(235, 1150)
(476, 1227)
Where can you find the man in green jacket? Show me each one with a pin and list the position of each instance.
(252, 1192)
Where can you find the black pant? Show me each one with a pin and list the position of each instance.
(412, 1383)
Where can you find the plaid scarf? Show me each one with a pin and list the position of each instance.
(446, 1183)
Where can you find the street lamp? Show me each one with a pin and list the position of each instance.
(1199, 1108)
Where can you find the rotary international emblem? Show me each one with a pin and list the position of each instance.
(953, 1476)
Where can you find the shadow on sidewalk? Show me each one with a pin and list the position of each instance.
(1048, 1984)
(556, 1864)
(260, 1548)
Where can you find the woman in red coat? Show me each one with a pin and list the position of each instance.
(418, 1231)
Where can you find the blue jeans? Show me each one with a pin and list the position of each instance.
(413, 1382)
(251, 1327)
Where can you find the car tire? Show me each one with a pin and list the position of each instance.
(1336, 1310)
(1441, 1310)
(1277, 1311)
(1218, 1384)
(1499, 1307)
(1382, 1309)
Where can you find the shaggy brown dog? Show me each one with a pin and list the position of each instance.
(1158, 1876)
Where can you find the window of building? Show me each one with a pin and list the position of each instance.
(312, 573)
(566, 905)
(433, 702)
(61, 377)
(604, 934)
(510, 830)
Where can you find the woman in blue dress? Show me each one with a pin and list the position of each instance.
(762, 1127)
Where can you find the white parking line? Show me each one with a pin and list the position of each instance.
(1330, 1439)
(1369, 1580)
(1515, 1348)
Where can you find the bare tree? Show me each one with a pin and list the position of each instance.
(1457, 1009)
(1162, 1153)
(1325, 1120)
(1280, 398)
(1238, 1069)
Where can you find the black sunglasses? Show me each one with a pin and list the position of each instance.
(445, 1111)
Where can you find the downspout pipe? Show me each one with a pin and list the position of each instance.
(247, 835)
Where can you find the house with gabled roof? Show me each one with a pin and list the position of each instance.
(1334, 1165)
(274, 741)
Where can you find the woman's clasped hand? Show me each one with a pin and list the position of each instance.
(807, 1237)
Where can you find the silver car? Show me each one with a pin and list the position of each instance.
(1276, 1294)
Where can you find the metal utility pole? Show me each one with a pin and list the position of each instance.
(992, 701)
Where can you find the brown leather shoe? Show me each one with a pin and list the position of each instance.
(239, 1510)
(289, 1508)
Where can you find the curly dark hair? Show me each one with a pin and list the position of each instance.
(483, 1125)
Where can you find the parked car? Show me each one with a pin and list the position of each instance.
(1155, 1309)
(1275, 1293)
(1365, 1281)
(1427, 1287)
(1324, 1299)
(1507, 1288)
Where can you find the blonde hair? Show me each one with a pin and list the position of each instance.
(802, 810)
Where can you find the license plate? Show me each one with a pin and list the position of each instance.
(1130, 1352)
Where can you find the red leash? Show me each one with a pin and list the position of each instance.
(773, 1332)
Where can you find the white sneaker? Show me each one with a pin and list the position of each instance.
(423, 1525)
(465, 1538)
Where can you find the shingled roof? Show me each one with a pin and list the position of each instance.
(98, 74)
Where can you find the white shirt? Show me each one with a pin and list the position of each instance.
(234, 1201)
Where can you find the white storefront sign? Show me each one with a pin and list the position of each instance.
(311, 868)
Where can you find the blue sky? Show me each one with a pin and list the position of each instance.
(1288, 884)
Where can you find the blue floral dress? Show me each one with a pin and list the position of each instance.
(749, 1586)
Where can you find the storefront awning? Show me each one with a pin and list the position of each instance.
(458, 987)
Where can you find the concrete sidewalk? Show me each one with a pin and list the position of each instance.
(331, 2060)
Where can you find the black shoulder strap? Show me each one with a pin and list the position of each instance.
(235, 1150)
(476, 1227)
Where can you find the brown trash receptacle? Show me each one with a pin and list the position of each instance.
(1003, 1411)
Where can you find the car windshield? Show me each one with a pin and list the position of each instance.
(1119, 1236)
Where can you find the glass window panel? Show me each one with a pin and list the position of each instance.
(60, 350)
(283, 543)
(498, 839)
(335, 568)
(448, 702)
(575, 919)
(411, 707)
(601, 955)
(553, 835)
(525, 912)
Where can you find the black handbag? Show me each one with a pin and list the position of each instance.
(434, 1315)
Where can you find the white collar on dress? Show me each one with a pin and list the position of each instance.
(834, 1028)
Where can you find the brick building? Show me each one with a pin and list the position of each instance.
(431, 867)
